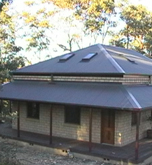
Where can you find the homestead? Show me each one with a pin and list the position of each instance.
(100, 94)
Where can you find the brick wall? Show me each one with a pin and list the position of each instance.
(73, 131)
(124, 132)
(80, 132)
(126, 79)
(60, 128)
(33, 125)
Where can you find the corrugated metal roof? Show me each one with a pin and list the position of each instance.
(85, 94)
(140, 64)
(75, 64)
(111, 62)
(143, 94)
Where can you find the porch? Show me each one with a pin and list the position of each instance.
(105, 152)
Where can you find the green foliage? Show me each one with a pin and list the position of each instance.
(3, 2)
(98, 18)
(118, 42)
(5, 111)
(96, 15)
(39, 23)
(71, 29)
(137, 32)
(46, 21)
(8, 48)
(62, 3)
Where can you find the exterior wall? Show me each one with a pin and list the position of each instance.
(33, 125)
(124, 132)
(60, 128)
(136, 79)
(80, 132)
(126, 79)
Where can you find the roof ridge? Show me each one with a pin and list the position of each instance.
(113, 62)
(133, 100)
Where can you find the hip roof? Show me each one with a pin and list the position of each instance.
(116, 96)
(108, 60)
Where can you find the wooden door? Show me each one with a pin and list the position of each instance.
(107, 126)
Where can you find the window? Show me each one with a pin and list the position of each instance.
(66, 57)
(134, 118)
(88, 56)
(33, 110)
(72, 114)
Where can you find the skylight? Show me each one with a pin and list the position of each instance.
(66, 57)
(89, 56)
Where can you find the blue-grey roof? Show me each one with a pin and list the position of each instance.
(83, 94)
(142, 94)
(138, 64)
(109, 60)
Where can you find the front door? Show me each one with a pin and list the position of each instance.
(107, 126)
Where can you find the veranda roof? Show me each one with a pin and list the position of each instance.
(116, 96)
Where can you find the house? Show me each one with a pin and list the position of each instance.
(99, 94)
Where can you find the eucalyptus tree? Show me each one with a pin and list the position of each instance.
(137, 31)
(37, 25)
(3, 2)
(97, 16)
(8, 48)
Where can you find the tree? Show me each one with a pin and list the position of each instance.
(148, 44)
(73, 32)
(38, 38)
(96, 15)
(136, 34)
(50, 27)
(8, 48)
(94, 18)
(118, 40)
(3, 2)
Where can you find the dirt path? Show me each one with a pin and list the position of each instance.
(15, 154)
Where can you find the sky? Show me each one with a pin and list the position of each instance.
(60, 34)
(146, 3)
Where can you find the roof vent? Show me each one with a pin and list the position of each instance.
(66, 57)
(89, 56)
(130, 60)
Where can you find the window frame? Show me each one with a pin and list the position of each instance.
(31, 107)
(89, 56)
(66, 57)
(70, 113)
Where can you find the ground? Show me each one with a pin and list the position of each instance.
(14, 154)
